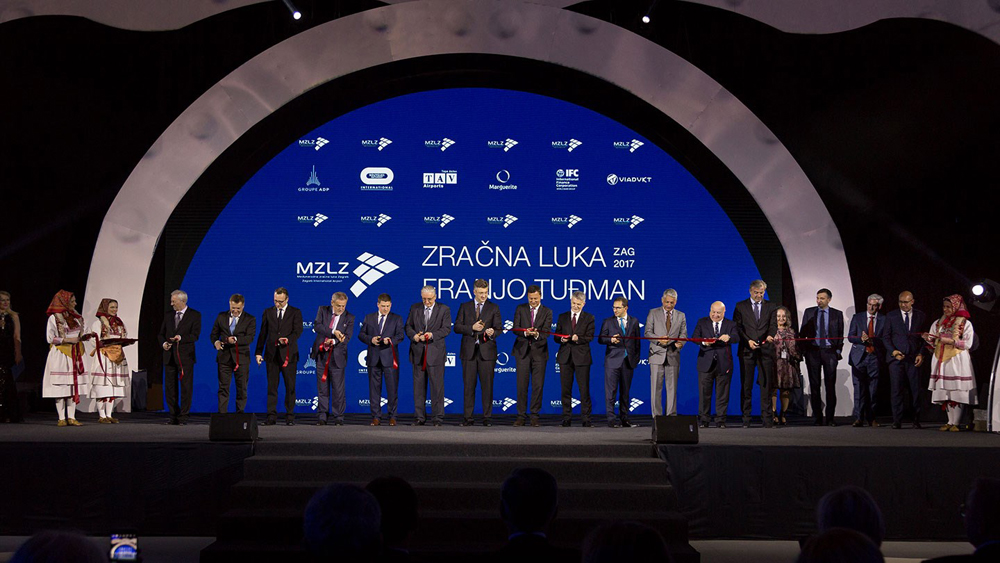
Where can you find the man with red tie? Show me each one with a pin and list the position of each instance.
(573, 356)
(531, 353)
(865, 334)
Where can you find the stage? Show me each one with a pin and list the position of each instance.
(735, 484)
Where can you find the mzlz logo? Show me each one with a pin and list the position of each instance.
(443, 144)
(377, 179)
(377, 220)
(439, 221)
(506, 220)
(507, 325)
(615, 179)
(568, 145)
(503, 182)
(506, 403)
(632, 405)
(367, 402)
(379, 143)
(311, 403)
(558, 403)
(447, 402)
(632, 221)
(437, 180)
(313, 144)
(315, 272)
(314, 219)
(506, 144)
(372, 269)
(568, 221)
(567, 179)
(632, 145)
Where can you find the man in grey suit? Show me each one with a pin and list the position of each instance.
(427, 325)
(665, 323)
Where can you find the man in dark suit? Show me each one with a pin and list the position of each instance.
(334, 327)
(905, 354)
(427, 325)
(528, 505)
(715, 363)
(866, 333)
(827, 324)
(531, 353)
(232, 336)
(574, 356)
(382, 331)
(478, 321)
(278, 344)
(756, 324)
(178, 333)
(621, 356)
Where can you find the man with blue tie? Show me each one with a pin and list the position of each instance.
(826, 325)
(382, 331)
(905, 354)
(478, 321)
(865, 334)
(621, 356)
(715, 362)
(334, 327)
(232, 335)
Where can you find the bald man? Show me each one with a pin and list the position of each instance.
(905, 354)
(715, 362)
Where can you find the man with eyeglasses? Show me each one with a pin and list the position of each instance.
(905, 354)
(826, 325)
(621, 356)
(278, 345)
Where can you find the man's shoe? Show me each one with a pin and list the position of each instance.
(896, 426)
(818, 422)
(437, 423)
(487, 422)
(467, 422)
(613, 424)
(704, 425)
(831, 423)
(535, 422)
(874, 424)
(392, 422)
(375, 422)
(746, 425)
(417, 423)
(519, 422)
(289, 422)
(916, 424)
(182, 423)
(566, 423)
(321, 422)
(338, 422)
(720, 424)
(586, 424)
(627, 424)
(858, 424)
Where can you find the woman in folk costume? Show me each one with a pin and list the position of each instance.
(109, 373)
(952, 384)
(65, 377)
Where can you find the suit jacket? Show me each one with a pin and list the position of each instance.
(525, 345)
(246, 329)
(189, 330)
(579, 351)
(719, 351)
(345, 324)
(656, 326)
(463, 325)
(859, 324)
(898, 337)
(811, 330)
(392, 329)
(749, 328)
(439, 327)
(626, 352)
(271, 330)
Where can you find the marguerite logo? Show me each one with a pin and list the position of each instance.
(372, 269)
(632, 145)
(505, 144)
(379, 143)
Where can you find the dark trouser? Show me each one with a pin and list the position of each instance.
(433, 377)
(706, 379)
(477, 368)
(617, 383)
(375, 376)
(901, 374)
(825, 359)
(764, 364)
(566, 373)
(275, 373)
(170, 379)
(865, 376)
(530, 369)
(330, 396)
(242, 375)
(9, 406)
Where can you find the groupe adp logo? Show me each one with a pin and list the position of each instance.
(503, 182)
(569, 145)
(315, 144)
(505, 144)
(314, 219)
(367, 402)
(377, 220)
(438, 180)
(377, 179)
(371, 269)
(632, 145)
(632, 405)
(632, 221)
(505, 221)
(440, 220)
(313, 184)
(441, 144)
(379, 143)
(574, 402)
(567, 179)
(615, 179)
(568, 222)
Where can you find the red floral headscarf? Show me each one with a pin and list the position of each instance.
(958, 304)
(60, 306)
(114, 321)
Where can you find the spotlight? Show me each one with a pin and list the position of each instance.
(296, 14)
(978, 289)
(645, 19)
(984, 295)
(649, 12)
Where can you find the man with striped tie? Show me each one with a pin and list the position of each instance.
(382, 331)
(232, 336)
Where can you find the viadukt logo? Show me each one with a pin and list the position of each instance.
(372, 269)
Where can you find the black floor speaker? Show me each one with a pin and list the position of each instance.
(681, 429)
(232, 427)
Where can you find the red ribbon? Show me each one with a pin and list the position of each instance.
(322, 348)
(395, 359)
(287, 352)
(237, 346)
(97, 350)
(77, 359)
(177, 353)
(556, 334)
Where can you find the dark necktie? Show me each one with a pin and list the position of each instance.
(906, 321)
(821, 329)
(572, 324)
(717, 333)
(669, 314)
(479, 311)
(381, 324)
(427, 318)
(871, 334)
(756, 310)
(280, 311)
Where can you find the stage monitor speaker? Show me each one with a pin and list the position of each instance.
(233, 427)
(681, 429)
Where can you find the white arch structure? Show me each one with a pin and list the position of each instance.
(407, 30)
